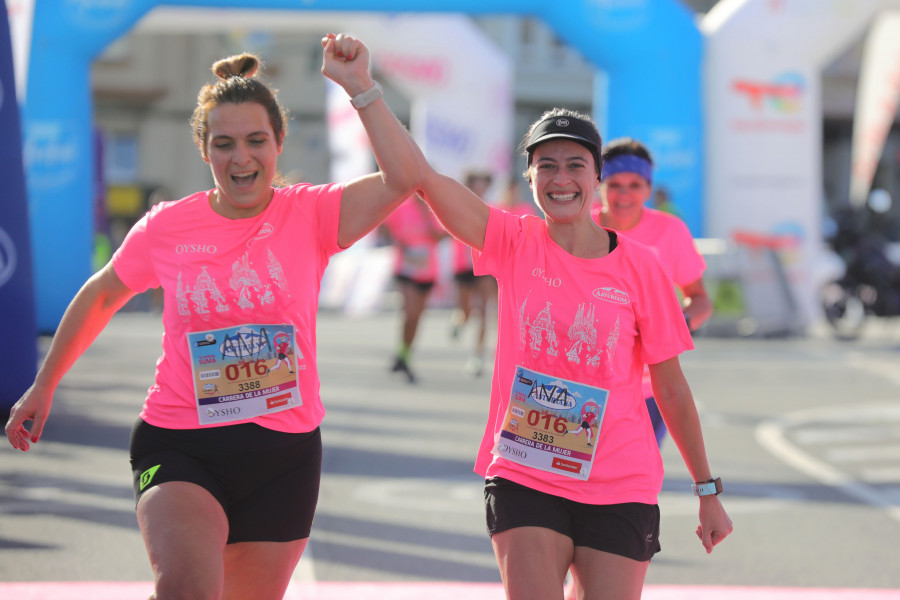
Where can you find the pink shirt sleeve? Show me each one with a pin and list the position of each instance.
(661, 327)
(674, 245)
(131, 260)
(328, 215)
(687, 264)
(501, 230)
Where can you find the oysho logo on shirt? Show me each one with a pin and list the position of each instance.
(196, 249)
(609, 294)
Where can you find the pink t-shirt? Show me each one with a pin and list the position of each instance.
(217, 272)
(461, 257)
(412, 227)
(462, 252)
(590, 321)
(671, 240)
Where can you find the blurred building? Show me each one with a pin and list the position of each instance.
(145, 87)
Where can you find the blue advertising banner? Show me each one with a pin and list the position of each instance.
(18, 353)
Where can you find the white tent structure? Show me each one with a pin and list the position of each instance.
(763, 109)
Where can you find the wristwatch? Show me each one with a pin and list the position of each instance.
(710, 487)
(368, 97)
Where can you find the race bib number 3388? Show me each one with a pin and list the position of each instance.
(244, 372)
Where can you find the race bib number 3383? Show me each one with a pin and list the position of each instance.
(552, 424)
(244, 372)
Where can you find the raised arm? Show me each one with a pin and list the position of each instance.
(676, 403)
(368, 200)
(459, 210)
(88, 313)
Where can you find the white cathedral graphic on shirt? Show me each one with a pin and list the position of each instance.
(538, 335)
(250, 289)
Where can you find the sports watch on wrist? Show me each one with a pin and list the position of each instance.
(710, 487)
(368, 97)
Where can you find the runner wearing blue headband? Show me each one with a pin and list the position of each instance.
(626, 185)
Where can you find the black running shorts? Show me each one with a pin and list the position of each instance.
(266, 481)
(630, 529)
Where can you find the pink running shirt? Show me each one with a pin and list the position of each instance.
(671, 240)
(590, 321)
(217, 272)
(461, 257)
(412, 227)
(462, 252)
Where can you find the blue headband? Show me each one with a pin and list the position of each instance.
(629, 163)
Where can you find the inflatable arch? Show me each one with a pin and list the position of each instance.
(649, 49)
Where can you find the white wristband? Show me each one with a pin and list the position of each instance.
(368, 97)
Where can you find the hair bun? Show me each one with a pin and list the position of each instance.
(239, 65)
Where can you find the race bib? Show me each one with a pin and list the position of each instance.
(244, 371)
(552, 424)
(416, 261)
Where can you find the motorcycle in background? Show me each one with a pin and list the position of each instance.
(870, 283)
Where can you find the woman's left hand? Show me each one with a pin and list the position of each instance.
(345, 61)
(715, 524)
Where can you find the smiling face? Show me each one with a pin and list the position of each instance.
(624, 195)
(242, 151)
(563, 179)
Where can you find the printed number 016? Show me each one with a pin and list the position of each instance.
(560, 424)
(232, 372)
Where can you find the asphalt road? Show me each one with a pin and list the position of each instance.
(805, 432)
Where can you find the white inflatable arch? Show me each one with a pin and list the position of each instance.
(763, 99)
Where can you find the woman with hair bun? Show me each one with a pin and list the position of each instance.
(226, 453)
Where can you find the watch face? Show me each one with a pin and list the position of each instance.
(709, 488)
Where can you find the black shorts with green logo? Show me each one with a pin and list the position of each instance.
(266, 481)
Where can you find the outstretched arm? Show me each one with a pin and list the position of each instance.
(680, 414)
(88, 313)
(459, 209)
(366, 201)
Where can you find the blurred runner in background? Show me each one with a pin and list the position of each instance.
(415, 232)
(476, 294)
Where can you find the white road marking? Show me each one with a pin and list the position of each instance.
(774, 436)
(876, 452)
